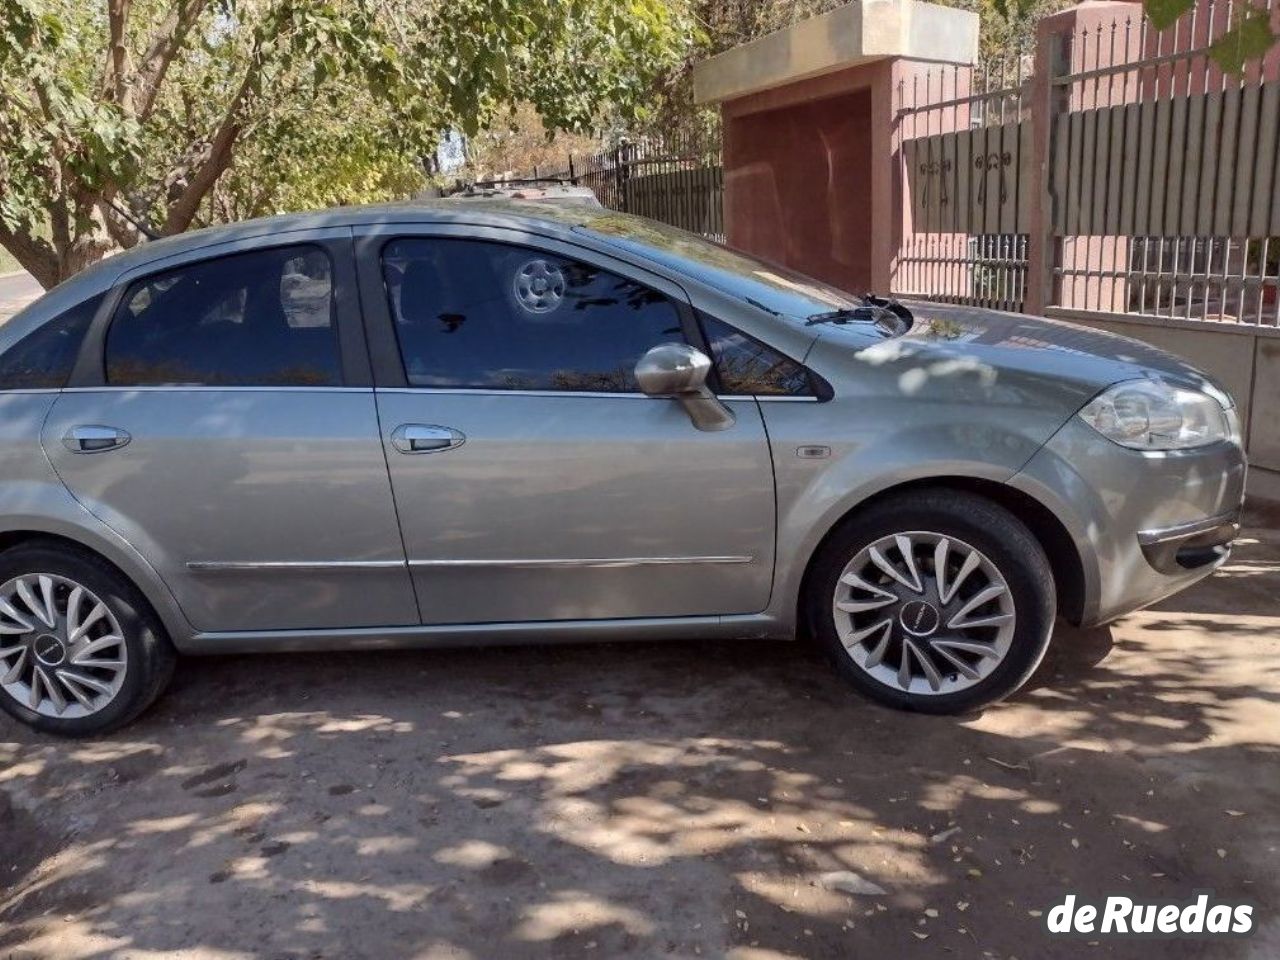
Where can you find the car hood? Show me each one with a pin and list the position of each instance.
(1067, 359)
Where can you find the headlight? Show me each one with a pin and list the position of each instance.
(1153, 415)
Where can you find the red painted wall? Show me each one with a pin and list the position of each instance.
(798, 186)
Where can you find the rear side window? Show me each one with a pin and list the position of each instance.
(42, 360)
(265, 318)
(747, 366)
(477, 314)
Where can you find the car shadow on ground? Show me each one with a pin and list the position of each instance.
(649, 799)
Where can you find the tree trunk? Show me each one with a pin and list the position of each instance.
(34, 254)
(84, 252)
(51, 264)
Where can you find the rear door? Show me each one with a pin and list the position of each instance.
(222, 419)
(534, 481)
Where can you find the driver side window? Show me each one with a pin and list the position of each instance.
(473, 314)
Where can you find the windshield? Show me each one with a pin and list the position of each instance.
(775, 288)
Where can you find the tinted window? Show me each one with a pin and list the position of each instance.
(488, 315)
(43, 359)
(747, 366)
(265, 318)
(769, 285)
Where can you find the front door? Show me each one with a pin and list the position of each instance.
(533, 480)
(229, 437)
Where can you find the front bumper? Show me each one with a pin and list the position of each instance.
(1145, 524)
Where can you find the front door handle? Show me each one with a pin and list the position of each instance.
(425, 438)
(94, 439)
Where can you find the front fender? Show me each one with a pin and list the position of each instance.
(813, 495)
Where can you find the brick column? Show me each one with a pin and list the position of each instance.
(1052, 50)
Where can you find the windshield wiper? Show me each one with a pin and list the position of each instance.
(865, 314)
(889, 315)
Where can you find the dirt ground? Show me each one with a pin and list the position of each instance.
(16, 291)
(658, 800)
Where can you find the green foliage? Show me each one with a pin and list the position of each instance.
(1165, 13)
(180, 111)
(1014, 10)
(572, 60)
(1249, 38)
(59, 130)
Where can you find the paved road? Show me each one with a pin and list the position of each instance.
(647, 800)
(16, 291)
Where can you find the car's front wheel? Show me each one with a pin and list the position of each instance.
(937, 601)
(81, 651)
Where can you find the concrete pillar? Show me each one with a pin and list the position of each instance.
(811, 138)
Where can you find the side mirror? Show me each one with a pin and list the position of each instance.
(678, 372)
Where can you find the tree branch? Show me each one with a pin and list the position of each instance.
(216, 159)
(123, 233)
(164, 46)
(115, 77)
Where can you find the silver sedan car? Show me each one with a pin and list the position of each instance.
(510, 423)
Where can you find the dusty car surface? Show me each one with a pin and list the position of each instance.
(503, 423)
(543, 190)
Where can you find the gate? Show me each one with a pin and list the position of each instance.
(965, 150)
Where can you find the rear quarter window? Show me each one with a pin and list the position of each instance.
(43, 359)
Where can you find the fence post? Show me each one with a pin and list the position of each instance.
(620, 176)
(1050, 63)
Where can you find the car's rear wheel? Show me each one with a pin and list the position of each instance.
(81, 651)
(936, 601)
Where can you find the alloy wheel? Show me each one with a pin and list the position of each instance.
(924, 613)
(62, 652)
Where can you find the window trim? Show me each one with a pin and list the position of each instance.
(384, 345)
(90, 370)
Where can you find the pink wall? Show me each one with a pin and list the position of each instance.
(798, 186)
(802, 185)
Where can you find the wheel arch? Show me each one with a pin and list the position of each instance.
(133, 568)
(1050, 532)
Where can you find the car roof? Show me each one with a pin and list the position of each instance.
(555, 218)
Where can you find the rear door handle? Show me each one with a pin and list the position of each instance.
(425, 438)
(94, 439)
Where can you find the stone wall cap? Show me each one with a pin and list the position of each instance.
(857, 33)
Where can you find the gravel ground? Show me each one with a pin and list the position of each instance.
(658, 800)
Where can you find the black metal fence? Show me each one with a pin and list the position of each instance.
(966, 166)
(676, 179)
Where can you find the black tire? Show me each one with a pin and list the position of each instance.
(151, 657)
(979, 522)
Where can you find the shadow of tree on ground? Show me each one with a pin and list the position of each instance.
(653, 800)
